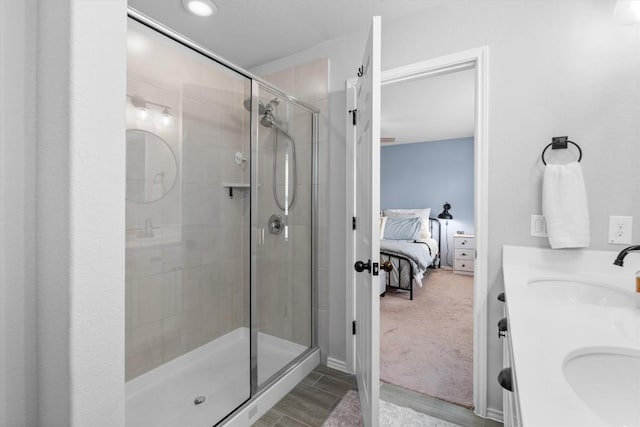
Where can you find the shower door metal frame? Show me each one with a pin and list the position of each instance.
(255, 91)
(256, 81)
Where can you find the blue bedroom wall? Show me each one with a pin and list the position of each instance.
(427, 174)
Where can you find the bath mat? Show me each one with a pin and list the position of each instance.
(347, 413)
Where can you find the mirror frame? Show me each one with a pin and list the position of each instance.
(175, 162)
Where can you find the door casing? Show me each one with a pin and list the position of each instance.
(477, 58)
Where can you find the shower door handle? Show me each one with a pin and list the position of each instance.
(260, 236)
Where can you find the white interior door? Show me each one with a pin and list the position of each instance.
(367, 239)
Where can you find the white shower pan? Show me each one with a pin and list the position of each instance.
(166, 395)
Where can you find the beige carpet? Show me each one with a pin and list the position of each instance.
(426, 344)
(347, 414)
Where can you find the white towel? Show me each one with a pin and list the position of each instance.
(564, 206)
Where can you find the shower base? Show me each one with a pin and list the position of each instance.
(219, 371)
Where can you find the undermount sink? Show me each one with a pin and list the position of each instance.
(607, 380)
(577, 292)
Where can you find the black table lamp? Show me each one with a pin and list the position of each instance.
(445, 213)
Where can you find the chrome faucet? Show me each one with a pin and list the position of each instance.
(148, 229)
(623, 253)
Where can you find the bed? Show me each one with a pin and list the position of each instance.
(408, 259)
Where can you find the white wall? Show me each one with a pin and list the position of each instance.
(80, 211)
(62, 194)
(17, 235)
(556, 68)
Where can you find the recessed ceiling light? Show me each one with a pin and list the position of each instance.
(202, 8)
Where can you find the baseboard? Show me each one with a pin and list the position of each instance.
(338, 365)
(494, 414)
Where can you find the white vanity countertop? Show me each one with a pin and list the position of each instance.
(545, 330)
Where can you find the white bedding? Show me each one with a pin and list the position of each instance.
(420, 256)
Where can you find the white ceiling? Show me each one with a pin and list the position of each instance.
(253, 32)
(429, 108)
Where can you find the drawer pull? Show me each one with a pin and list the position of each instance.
(505, 379)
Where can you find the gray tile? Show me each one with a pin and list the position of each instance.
(334, 405)
(312, 414)
(332, 372)
(311, 402)
(290, 422)
(269, 419)
(428, 405)
(335, 386)
(311, 394)
(311, 378)
(308, 404)
(492, 423)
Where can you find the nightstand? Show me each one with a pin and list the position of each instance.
(465, 253)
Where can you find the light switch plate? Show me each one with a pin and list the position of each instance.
(538, 226)
(620, 230)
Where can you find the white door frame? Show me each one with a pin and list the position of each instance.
(477, 58)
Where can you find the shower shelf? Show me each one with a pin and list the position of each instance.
(236, 185)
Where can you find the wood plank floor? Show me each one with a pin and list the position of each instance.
(435, 407)
(310, 403)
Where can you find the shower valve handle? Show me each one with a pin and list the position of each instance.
(361, 266)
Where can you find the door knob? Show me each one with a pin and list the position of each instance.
(361, 266)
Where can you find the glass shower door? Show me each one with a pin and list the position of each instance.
(187, 241)
(282, 216)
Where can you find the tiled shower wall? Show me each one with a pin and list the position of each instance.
(309, 83)
(185, 282)
(283, 262)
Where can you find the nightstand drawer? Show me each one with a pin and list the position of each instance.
(464, 242)
(465, 253)
(463, 265)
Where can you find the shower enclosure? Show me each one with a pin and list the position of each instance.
(220, 259)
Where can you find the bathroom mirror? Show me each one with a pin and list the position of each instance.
(151, 167)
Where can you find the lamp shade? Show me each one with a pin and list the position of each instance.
(445, 213)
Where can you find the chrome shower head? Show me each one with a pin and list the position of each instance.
(267, 120)
(261, 108)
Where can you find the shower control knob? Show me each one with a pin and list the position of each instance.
(276, 224)
(361, 266)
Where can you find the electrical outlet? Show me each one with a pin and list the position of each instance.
(538, 226)
(620, 230)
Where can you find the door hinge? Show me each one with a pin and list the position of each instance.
(353, 327)
(354, 223)
(354, 115)
(361, 71)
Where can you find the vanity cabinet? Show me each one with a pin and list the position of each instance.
(510, 405)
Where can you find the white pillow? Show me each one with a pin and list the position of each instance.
(423, 214)
(383, 223)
